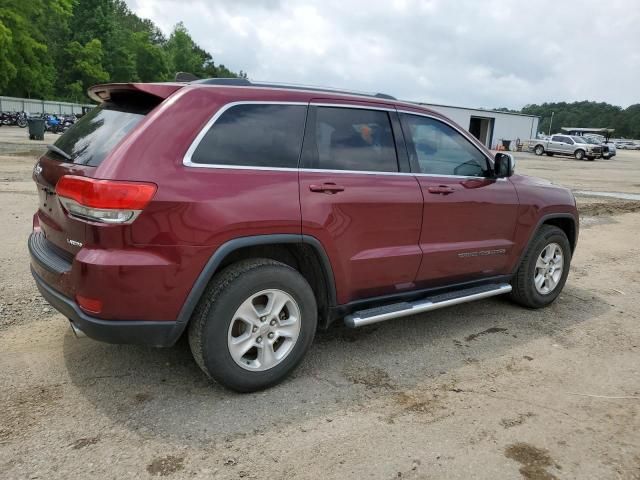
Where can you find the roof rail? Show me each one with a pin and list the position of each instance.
(247, 83)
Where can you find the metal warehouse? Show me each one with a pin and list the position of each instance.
(491, 126)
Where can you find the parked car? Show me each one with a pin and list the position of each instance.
(608, 147)
(275, 210)
(625, 144)
(574, 146)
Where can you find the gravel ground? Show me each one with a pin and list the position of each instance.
(482, 390)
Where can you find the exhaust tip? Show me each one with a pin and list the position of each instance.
(76, 330)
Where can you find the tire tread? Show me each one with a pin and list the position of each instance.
(523, 291)
(216, 286)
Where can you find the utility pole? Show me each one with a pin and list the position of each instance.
(551, 122)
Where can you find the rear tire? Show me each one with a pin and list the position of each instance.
(539, 150)
(537, 283)
(259, 305)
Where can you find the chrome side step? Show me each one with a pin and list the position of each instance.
(404, 309)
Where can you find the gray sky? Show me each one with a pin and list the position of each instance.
(488, 53)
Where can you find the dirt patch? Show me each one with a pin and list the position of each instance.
(535, 461)
(23, 409)
(514, 422)
(370, 377)
(345, 334)
(23, 306)
(142, 397)
(473, 336)
(166, 465)
(425, 405)
(608, 208)
(84, 442)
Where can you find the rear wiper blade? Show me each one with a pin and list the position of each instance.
(59, 151)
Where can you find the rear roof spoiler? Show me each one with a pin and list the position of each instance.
(102, 93)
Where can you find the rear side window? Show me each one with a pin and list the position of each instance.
(254, 135)
(439, 149)
(351, 139)
(93, 137)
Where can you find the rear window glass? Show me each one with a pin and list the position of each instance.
(93, 137)
(254, 135)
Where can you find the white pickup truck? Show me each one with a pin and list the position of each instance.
(573, 146)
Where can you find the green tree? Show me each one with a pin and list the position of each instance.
(57, 48)
(151, 59)
(86, 66)
(27, 62)
(183, 56)
(7, 69)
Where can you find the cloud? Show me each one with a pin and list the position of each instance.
(481, 54)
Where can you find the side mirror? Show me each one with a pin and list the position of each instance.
(504, 165)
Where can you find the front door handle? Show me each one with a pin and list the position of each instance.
(441, 189)
(326, 188)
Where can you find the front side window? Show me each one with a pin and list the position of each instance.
(439, 149)
(254, 135)
(351, 139)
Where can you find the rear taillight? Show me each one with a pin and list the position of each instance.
(106, 201)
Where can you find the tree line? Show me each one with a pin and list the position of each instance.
(56, 49)
(626, 121)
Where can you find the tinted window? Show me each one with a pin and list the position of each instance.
(92, 137)
(351, 139)
(439, 149)
(556, 138)
(254, 135)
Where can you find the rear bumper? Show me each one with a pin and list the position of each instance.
(139, 332)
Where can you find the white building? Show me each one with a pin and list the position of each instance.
(491, 126)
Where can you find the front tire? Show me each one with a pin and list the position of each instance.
(543, 270)
(579, 154)
(253, 325)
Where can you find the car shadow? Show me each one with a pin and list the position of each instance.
(163, 392)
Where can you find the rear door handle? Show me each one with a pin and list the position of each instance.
(441, 189)
(326, 188)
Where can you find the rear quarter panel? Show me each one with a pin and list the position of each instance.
(194, 211)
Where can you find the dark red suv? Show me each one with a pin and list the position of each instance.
(247, 215)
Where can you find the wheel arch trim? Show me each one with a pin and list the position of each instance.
(216, 259)
(541, 221)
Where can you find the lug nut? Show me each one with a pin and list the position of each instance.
(254, 329)
(272, 323)
(270, 335)
(259, 339)
(263, 319)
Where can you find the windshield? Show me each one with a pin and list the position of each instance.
(93, 137)
(579, 140)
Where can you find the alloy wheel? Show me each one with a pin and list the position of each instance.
(264, 330)
(548, 270)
